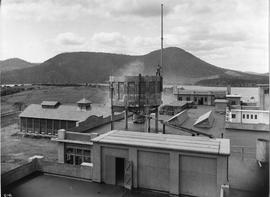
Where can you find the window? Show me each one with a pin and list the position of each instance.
(233, 103)
(244, 116)
(195, 99)
(188, 98)
(131, 90)
(266, 91)
(247, 116)
(77, 155)
(180, 98)
(255, 116)
(205, 99)
(233, 116)
(251, 116)
(120, 90)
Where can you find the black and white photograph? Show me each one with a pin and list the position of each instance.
(135, 98)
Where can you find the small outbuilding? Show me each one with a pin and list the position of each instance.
(220, 105)
(176, 164)
(234, 99)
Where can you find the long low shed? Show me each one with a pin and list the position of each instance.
(176, 164)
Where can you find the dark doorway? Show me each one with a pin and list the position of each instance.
(120, 170)
(200, 101)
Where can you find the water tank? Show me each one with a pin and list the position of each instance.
(136, 91)
(262, 150)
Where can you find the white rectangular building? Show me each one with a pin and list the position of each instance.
(176, 164)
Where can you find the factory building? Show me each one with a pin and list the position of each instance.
(198, 97)
(254, 118)
(221, 105)
(47, 118)
(176, 164)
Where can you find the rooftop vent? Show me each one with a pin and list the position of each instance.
(84, 104)
(50, 104)
(205, 121)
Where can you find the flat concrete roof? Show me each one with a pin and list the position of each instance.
(166, 141)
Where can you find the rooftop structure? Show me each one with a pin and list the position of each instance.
(221, 105)
(234, 99)
(205, 121)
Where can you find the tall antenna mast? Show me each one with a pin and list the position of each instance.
(161, 39)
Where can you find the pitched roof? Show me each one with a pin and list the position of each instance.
(84, 101)
(63, 112)
(166, 141)
(203, 117)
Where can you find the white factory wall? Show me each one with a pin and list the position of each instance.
(250, 116)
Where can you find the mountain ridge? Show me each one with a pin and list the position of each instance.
(180, 66)
(15, 64)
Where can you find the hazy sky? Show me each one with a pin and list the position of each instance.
(227, 33)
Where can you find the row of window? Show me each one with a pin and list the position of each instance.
(76, 156)
(43, 125)
(195, 99)
(247, 116)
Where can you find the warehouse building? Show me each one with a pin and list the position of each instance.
(47, 118)
(170, 163)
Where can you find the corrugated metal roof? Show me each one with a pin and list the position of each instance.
(63, 112)
(203, 117)
(166, 141)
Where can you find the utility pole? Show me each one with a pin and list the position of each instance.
(161, 39)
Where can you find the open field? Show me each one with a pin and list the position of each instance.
(56, 93)
(16, 149)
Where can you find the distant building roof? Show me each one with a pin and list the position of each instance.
(84, 101)
(166, 141)
(178, 103)
(206, 92)
(63, 112)
(263, 85)
(233, 96)
(221, 101)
